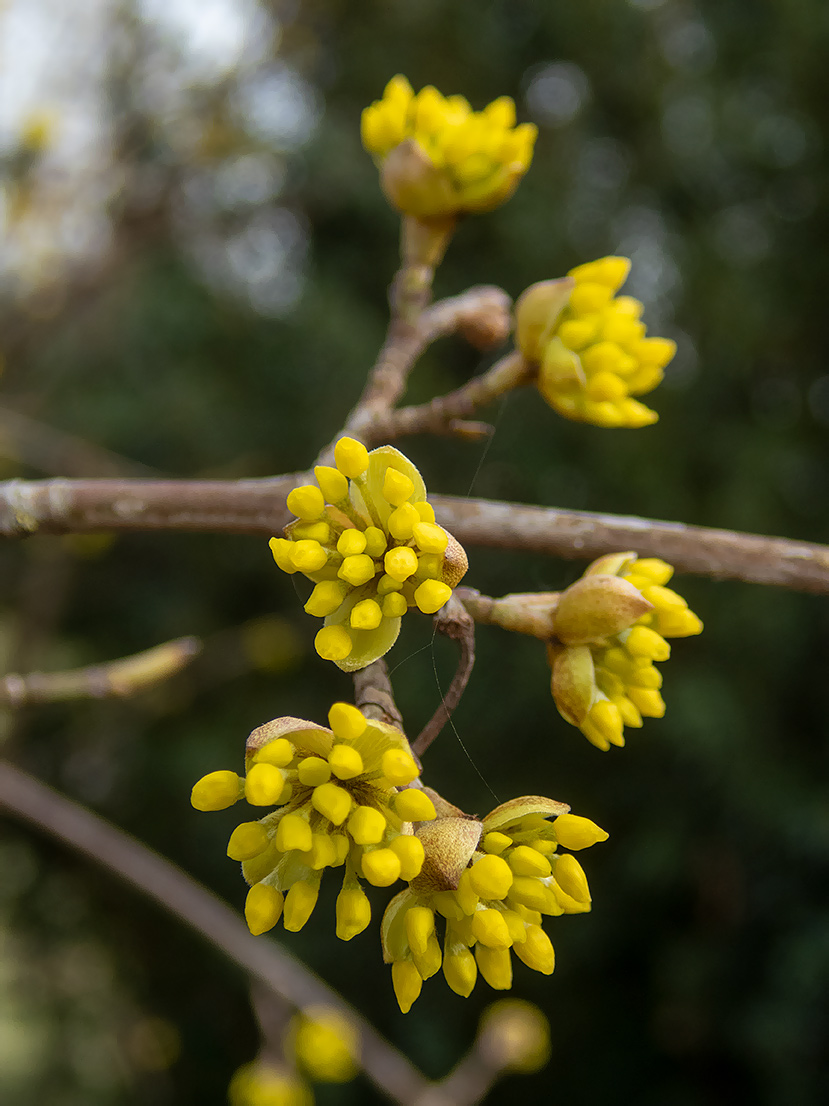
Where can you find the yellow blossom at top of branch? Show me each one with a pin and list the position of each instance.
(491, 882)
(343, 799)
(368, 540)
(590, 345)
(609, 628)
(438, 157)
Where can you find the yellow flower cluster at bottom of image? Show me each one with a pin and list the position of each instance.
(593, 355)
(366, 536)
(343, 799)
(604, 682)
(262, 1084)
(491, 882)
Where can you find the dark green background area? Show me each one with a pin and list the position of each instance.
(702, 974)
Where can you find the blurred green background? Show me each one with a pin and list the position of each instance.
(194, 279)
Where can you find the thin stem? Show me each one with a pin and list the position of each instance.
(120, 678)
(454, 622)
(449, 414)
(202, 911)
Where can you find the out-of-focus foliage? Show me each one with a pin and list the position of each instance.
(195, 276)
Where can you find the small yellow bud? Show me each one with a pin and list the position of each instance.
(425, 510)
(460, 971)
(381, 867)
(293, 833)
(431, 538)
(351, 542)
(351, 457)
(306, 502)
(431, 596)
(495, 843)
(299, 905)
(279, 752)
(606, 718)
(525, 861)
(410, 853)
(333, 802)
(537, 951)
(353, 912)
(398, 767)
(420, 925)
(345, 762)
(489, 927)
(308, 556)
(367, 826)
(366, 615)
(643, 642)
(495, 966)
(346, 721)
(529, 892)
(394, 605)
(648, 702)
(263, 907)
(323, 851)
(357, 570)
(326, 597)
(281, 549)
(333, 643)
(376, 543)
(312, 771)
(407, 982)
(574, 832)
(414, 805)
(216, 791)
(491, 877)
(264, 784)
(402, 522)
(397, 487)
(332, 482)
(387, 584)
(570, 877)
(247, 841)
(400, 563)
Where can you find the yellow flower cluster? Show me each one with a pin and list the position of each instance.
(610, 627)
(367, 538)
(593, 356)
(262, 1084)
(438, 157)
(325, 1044)
(492, 882)
(343, 799)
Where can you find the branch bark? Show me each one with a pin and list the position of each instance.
(121, 678)
(34, 802)
(258, 507)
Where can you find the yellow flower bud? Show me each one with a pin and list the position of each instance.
(351, 542)
(312, 771)
(495, 966)
(407, 982)
(575, 832)
(400, 563)
(247, 840)
(333, 802)
(357, 570)
(381, 867)
(333, 643)
(410, 853)
(489, 927)
(293, 832)
(216, 791)
(398, 767)
(525, 861)
(333, 484)
(432, 595)
(347, 722)
(491, 877)
(326, 598)
(306, 502)
(351, 457)
(353, 912)
(397, 487)
(414, 805)
(460, 971)
(263, 908)
(367, 826)
(366, 615)
(570, 877)
(299, 905)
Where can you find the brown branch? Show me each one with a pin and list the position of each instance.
(374, 696)
(258, 507)
(454, 622)
(119, 678)
(481, 315)
(203, 912)
(448, 414)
